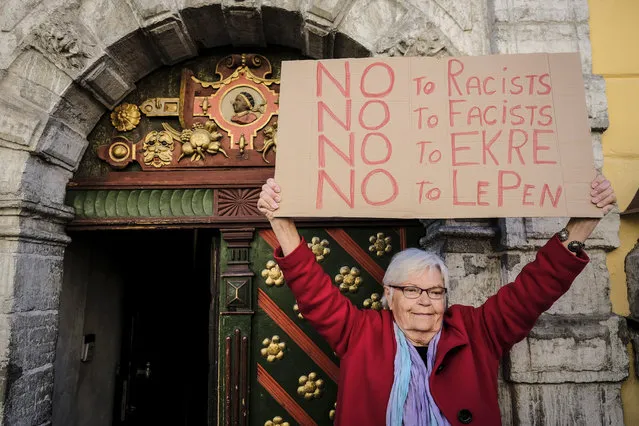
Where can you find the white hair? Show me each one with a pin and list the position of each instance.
(408, 263)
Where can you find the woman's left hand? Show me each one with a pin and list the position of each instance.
(602, 194)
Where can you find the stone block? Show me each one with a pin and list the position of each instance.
(244, 22)
(596, 102)
(318, 42)
(589, 293)
(135, 54)
(346, 47)
(36, 80)
(59, 142)
(473, 278)
(283, 5)
(282, 27)
(465, 26)
(416, 36)
(172, 41)
(597, 150)
(570, 349)
(29, 396)
(37, 283)
(550, 37)
(634, 340)
(329, 9)
(11, 172)
(14, 12)
(568, 404)
(78, 110)
(109, 20)
(20, 126)
(107, 83)
(540, 10)
(33, 339)
(148, 9)
(585, 48)
(44, 183)
(367, 20)
(206, 25)
(632, 278)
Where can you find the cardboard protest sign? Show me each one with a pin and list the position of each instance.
(492, 136)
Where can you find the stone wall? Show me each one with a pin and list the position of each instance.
(64, 63)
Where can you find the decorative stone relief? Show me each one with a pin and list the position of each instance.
(61, 44)
(425, 41)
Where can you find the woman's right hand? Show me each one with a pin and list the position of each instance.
(284, 228)
(269, 199)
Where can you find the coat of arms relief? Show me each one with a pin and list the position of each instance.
(230, 122)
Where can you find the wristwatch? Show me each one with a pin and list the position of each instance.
(573, 246)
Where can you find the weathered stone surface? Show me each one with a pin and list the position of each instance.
(78, 110)
(473, 277)
(282, 26)
(318, 42)
(147, 9)
(596, 102)
(632, 278)
(244, 22)
(415, 36)
(329, 10)
(14, 12)
(28, 399)
(540, 10)
(107, 83)
(459, 236)
(605, 235)
(206, 25)
(597, 150)
(61, 145)
(535, 37)
(44, 183)
(589, 293)
(12, 171)
(570, 349)
(372, 18)
(36, 80)
(567, 404)
(33, 338)
(135, 54)
(466, 26)
(109, 20)
(20, 127)
(172, 41)
(37, 281)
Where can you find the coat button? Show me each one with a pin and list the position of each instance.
(439, 369)
(465, 416)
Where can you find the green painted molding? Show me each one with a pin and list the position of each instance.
(97, 204)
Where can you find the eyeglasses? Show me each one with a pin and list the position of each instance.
(413, 292)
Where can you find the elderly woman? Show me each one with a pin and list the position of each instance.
(421, 362)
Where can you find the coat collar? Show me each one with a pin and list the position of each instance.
(452, 337)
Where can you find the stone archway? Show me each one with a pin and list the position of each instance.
(64, 64)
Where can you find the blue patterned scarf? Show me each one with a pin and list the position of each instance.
(410, 402)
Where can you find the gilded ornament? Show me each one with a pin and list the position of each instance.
(273, 274)
(125, 117)
(270, 141)
(157, 149)
(348, 279)
(273, 349)
(374, 302)
(198, 141)
(380, 244)
(296, 309)
(277, 421)
(319, 248)
(331, 414)
(310, 386)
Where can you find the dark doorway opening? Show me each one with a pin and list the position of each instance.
(167, 369)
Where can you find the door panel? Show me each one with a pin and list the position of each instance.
(274, 384)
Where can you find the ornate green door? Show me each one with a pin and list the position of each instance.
(274, 368)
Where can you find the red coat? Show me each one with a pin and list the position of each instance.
(473, 340)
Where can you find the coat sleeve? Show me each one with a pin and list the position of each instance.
(327, 310)
(509, 315)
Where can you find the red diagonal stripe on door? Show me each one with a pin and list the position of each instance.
(270, 238)
(299, 337)
(357, 253)
(283, 398)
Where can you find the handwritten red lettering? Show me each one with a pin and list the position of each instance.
(322, 108)
(323, 176)
(321, 154)
(512, 147)
(553, 200)
(382, 123)
(393, 182)
(387, 142)
(344, 88)
(538, 147)
(527, 188)
(485, 147)
(481, 191)
(453, 74)
(456, 201)
(384, 92)
(502, 187)
(455, 148)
